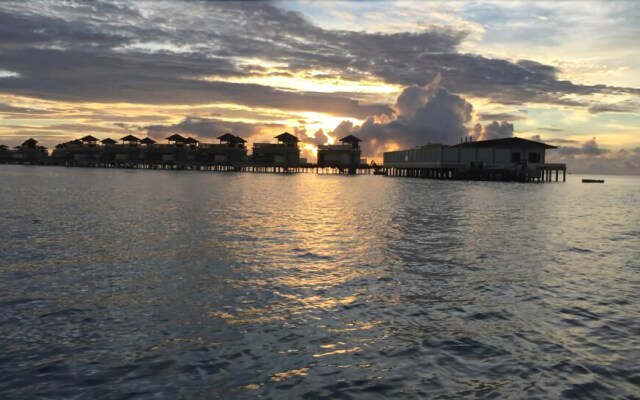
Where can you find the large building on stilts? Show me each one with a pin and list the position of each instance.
(514, 159)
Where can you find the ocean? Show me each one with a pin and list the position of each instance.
(177, 284)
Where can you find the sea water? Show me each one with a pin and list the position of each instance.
(180, 284)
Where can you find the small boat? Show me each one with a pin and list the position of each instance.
(593, 181)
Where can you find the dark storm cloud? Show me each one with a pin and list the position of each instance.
(159, 52)
(12, 110)
(500, 117)
(623, 107)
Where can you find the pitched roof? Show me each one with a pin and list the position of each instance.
(89, 138)
(176, 138)
(506, 142)
(108, 141)
(350, 139)
(147, 140)
(130, 138)
(229, 138)
(191, 140)
(287, 138)
(30, 142)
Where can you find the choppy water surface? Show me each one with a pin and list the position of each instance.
(117, 284)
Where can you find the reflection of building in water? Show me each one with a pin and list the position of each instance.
(345, 155)
(497, 159)
(284, 153)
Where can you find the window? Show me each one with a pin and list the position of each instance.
(515, 156)
(534, 157)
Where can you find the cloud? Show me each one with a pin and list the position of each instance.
(427, 114)
(589, 148)
(500, 117)
(161, 53)
(628, 106)
(208, 128)
(496, 130)
(317, 138)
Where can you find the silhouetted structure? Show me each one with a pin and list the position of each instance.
(130, 140)
(148, 141)
(285, 153)
(498, 159)
(345, 156)
(90, 140)
(29, 153)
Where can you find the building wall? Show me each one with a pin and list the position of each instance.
(459, 157)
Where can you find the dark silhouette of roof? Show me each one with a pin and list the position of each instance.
(3, 147)
(506, 142)
(350, 139)
(108, 141)
(287, 138)
(147, 140)
(191, 140)
(176, 138)
(130, 138)
(229, 138)
(89, 138)
(76, 141)
(30, 143)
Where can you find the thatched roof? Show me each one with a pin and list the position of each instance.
(147, 140)
(229, 138)
(30, 143)
(191, 140)
(350, 139)
(108, 141)
(287, 138)
(89, 138)
(130, 138)
(176, 138)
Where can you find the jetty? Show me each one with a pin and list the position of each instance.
(510, 159)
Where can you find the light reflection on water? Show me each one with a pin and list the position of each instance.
(121, 283)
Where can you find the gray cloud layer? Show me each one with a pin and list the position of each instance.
(159, 52)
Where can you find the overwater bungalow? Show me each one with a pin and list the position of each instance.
(176, 140)
(130, 140)
(498, 159)
(231, 149)
(283, 153)
(29, 152)
(343, 156)
(191, 142)
(90, 140)
(108, 142)
(147, 142)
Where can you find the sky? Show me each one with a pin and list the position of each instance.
(395, 74)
